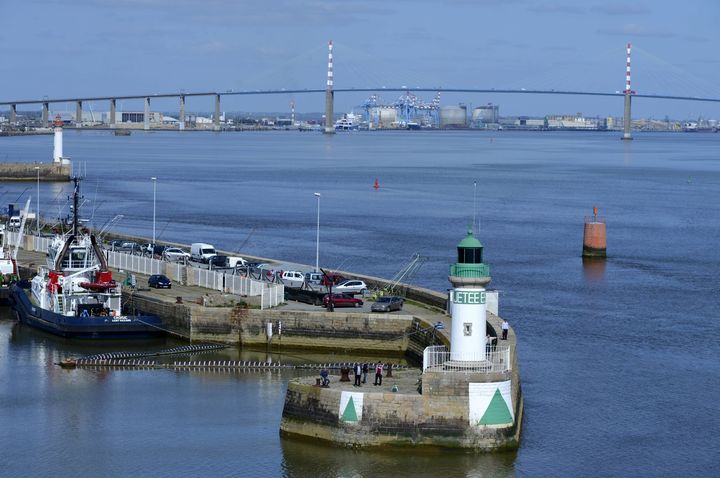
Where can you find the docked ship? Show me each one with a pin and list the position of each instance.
(348, 122)
(75, 295)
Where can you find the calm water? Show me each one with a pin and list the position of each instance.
(619, 360)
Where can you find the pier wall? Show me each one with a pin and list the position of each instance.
(394, 419)
(49, 172)
(444, 415)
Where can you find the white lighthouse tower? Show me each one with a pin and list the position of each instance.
(469, 276)
(58, 144)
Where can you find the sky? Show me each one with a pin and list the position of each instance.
(69, 48)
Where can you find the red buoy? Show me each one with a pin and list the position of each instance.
(377, 184)
(594, 236)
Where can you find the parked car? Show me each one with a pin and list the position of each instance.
(129, 246)
(342, 300)
(235, 261)
(217, 261)
(292, 278)
(201, 252)
(352, 286)
(152, 250)
(315, 278)
(115, 245)
(387, 304)
(159, 281)
(175, 254)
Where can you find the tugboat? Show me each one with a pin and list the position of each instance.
(75, 295)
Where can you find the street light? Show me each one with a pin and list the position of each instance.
(37, 219)
(154, 180)
(317, 236)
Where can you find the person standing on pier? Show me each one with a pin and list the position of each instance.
(365, 372)
(378, 373)
(505, 327)
(358, 371)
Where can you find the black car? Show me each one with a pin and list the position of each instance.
(215, 262)
(159, 281)
(153, 250)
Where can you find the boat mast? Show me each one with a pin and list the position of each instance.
(76, 194)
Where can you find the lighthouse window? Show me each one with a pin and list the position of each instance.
(467, 328)
(470, 256)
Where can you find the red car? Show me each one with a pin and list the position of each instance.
(342, 300)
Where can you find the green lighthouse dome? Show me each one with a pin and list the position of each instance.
(469, 268)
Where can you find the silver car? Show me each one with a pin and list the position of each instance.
(387, 304)
(350, 286)
(175, 254)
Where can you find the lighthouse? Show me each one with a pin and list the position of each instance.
(468, 299)
(58, 145)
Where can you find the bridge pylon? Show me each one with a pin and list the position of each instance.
(329, 94)
(627, 116)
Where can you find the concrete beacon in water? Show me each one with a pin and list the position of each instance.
(594, 236)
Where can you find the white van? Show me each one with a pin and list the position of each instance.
(292, 278)
(15, 222)
(234, 261)
(201, 252)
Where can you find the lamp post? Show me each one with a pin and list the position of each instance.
(154, 180)
(317, 235)
(37, 213)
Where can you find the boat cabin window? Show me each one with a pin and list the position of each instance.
(77, 258)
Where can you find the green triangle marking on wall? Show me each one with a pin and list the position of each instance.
(350, 415)
(497, 412)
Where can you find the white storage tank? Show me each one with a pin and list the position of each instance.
(453, 116)
(383, 116)
(486, 114)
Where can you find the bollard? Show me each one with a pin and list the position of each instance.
(344, 374)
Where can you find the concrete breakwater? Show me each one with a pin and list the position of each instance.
(47, 172)
(459, 409)
(387, 334)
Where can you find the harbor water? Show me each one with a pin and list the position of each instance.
(619, 358)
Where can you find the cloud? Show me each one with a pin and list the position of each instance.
(558, 8)
(620, 9)
(634, 30)
(696, 38)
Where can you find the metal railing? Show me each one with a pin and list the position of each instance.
(129, 262)
(470, 270)
(495, 359)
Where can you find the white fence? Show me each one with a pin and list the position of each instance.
(270, 294)
(495, 359)
(129, 262)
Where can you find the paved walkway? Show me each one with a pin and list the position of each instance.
(406, 381)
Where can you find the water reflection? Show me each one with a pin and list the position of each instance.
(594, 269)
(302, 458)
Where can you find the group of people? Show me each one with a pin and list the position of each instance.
(361, 372)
